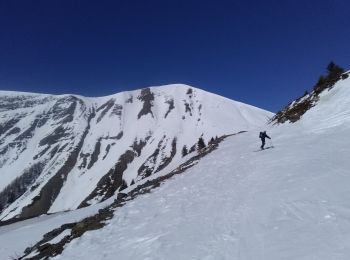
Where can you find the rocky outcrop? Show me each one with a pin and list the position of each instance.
(296, 109)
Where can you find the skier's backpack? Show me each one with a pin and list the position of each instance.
(260, 135)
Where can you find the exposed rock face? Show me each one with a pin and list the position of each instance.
(147, 98)
(64, 152)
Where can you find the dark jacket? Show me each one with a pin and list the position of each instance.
(263, 135)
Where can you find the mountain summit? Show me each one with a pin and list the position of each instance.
(63, 152)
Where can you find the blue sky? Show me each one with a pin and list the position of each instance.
(264, 53)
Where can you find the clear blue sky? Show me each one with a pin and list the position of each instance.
(264, 53)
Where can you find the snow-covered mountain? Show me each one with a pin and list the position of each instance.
(291, 201)
(64, 152)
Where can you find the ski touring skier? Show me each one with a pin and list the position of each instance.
(262, 136)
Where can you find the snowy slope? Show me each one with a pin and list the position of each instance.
(238, 204)
(288, 202)
(64, 152)
(17, 237)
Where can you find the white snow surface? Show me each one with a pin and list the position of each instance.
(291, 201)
(288, 202)
(15, 238)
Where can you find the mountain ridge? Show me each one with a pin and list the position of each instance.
(99, 146)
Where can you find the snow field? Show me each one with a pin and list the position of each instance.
(288, 202)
